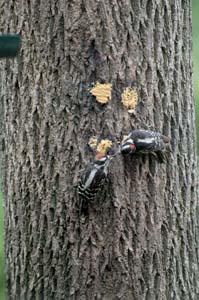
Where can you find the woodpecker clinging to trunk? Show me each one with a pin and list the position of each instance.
(93, 177)
(145, 141)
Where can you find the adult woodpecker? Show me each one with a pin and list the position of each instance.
(145, 141)
(93, 177)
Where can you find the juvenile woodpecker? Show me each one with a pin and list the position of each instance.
(145, 141)
(93, 177)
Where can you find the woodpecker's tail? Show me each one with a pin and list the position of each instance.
(161, 156)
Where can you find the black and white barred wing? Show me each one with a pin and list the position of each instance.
(146, 140)
(92, 180)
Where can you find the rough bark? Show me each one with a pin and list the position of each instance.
(141, 240)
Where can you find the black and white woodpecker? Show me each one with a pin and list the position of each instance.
(93, 177)
(145, 141)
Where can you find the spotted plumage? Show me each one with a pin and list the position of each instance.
(93, 178)
(145, 141)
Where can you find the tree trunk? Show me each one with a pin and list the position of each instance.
(141, 240)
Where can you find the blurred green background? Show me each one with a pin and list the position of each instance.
(1, 252)
(195, 14)
(196, 96)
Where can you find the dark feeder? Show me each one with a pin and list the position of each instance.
(9, 45)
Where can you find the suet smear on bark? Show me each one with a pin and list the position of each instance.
(93, 142)
(104, 145)
(130, 99)
(102, 92)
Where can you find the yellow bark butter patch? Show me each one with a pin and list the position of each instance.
(93, 142)
(129, 99)
(102, 92)
(103, 146)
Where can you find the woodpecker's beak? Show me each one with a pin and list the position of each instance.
(115, 154)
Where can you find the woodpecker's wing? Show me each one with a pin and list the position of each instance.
(91, 182)
(92, 177)
(146, 140)
(142, 134)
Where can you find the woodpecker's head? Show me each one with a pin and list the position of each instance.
(101, 160)
(128, 146)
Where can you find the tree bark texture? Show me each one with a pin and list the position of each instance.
(140, 240)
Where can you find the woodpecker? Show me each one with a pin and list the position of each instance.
(93, 177)
(145, 141)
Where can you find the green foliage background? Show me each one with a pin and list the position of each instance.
(1, 252)
(195, 15)
(196, 95)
